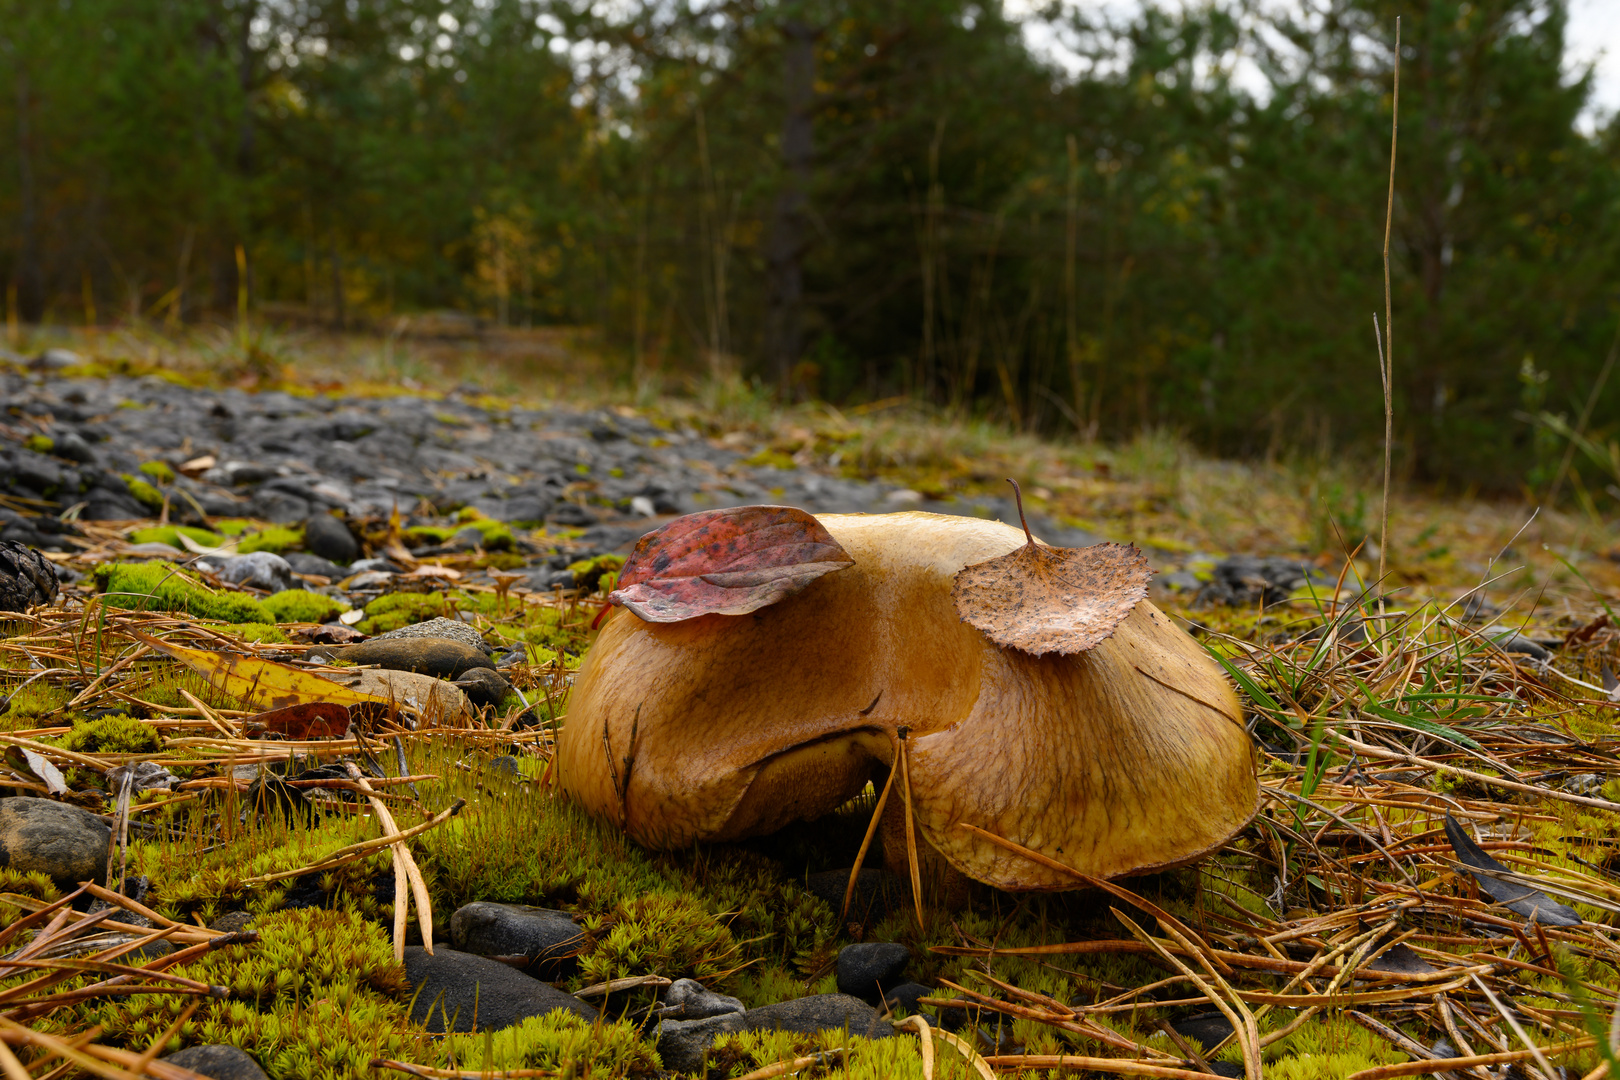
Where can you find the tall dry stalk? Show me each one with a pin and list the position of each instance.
(1386, 352)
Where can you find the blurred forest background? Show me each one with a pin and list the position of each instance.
(853, 199)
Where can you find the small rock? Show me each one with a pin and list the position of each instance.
(818, 1012)
(232, 922)
(682, 1043)
(56, 359)
(865, 969)
(442, 658)
(328, 537)
(475, 993)
(1209, 1028)
(549, 939)
(63, 841)
(688, 999)
(1246, 580)
(435, 699)
(69, 445)
(27, 578)
(905, 997)
(219, 1061)
(363, 566)
(279, 507)
(303, 562)
(1512, 641)
(570, 515)
(439, 627)
(484, 687)
(260, 570)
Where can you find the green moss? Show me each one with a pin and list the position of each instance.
(162, 586)
(116, 734)
(317, 998)
(145, 494)
(159, 471)
(562, 1041)
(32, 883)
(402, 609)
(665, 933)
(32, 704)
(260, 633)
(40, 444)
(302, 606)
(591, 573)
(204, 878)
(273, 538)
(170, 534)
(849, 1057)
(775, 459)
(234, 526)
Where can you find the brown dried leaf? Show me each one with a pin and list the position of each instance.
(726, 562)
(306, 720)
(1043, 600)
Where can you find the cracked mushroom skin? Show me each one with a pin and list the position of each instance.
(1126, 758)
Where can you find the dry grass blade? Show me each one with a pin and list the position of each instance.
(1439, 1065)
(1117, 1066)
(783, 1068)
(1220, 995)
(925, 1041)
(429, 1073)
(866, 844)
(911, 828)
(970, 1055)
(361, 850)
(403, 863)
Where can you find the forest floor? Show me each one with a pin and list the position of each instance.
(498, 479)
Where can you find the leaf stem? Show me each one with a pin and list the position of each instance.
(1018, 496)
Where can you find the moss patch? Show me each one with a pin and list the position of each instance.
(145, 494)
(302, 606)
(273, 538)
(560, 1041)
(158, 472)
(162, 586)
(170, 534)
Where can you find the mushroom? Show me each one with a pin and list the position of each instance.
(1125, 758)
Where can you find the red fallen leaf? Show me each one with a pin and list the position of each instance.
(726, 562)
(1043, 600)
(307, 720)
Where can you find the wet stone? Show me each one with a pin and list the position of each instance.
(217, 1061)
(484, 687)
(328, 537)
(547, 939)
(439, 627)
(458, 991)
(866, 969)
(442, 658)
(64, 842)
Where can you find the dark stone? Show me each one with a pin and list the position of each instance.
(101, 504)
(218, 1061)
(484, 686)
(279, 507)
(688, 999)
(452, 987)
(1247, 580)
(36, 472)
(438, 627)
(1209, 1028)
(570, 515)
(302, 562)
(65, 842)
(819, 1012)
(866, 968)
(682, 1043)
(71, 446)
(328, 537)
(442, 658)
(905, 997)
(547, 939)
(27, 578)
(232, 922)
(522, 509)
(258, 569)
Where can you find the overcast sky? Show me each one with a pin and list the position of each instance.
(1594, 36)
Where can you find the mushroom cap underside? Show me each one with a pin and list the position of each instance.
(1129, 757)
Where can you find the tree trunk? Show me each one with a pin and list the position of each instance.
(30, 276)
(785, 249)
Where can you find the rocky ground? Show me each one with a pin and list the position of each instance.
(465, 541)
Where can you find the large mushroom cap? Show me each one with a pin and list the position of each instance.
(1128, 757)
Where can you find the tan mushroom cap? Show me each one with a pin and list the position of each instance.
(1127, 758)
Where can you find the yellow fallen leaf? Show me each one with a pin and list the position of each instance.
(262, 683)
